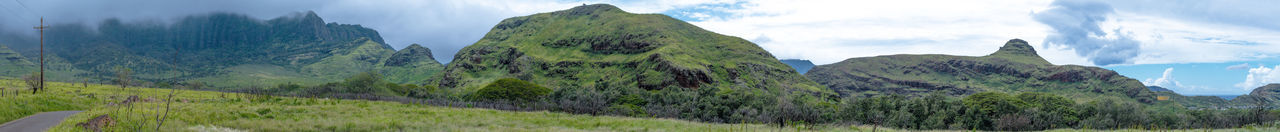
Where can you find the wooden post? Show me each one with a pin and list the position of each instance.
(40, 86)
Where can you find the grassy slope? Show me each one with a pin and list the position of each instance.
(587, 46)
(257, 75)
(206, 109)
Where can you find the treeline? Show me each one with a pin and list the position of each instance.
(981, 111)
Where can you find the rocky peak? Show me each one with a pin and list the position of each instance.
(1017, 50)
(1016, 47)
(311, 18)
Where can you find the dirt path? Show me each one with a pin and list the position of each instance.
(37, 123)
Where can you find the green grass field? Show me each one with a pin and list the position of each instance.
(204, 110)
(217, 111)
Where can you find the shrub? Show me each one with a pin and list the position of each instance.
(364, 82)
(511, 89)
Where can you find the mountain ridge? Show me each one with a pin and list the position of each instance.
(1013, 68)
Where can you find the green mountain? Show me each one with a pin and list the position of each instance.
(413, 64)
(603, 46)
(1268, 95)
(13, 64)
(801, 66)
(1190, 101)
(225, 50)
(1014, 68)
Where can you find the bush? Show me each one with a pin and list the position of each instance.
(364, 82)
(511, 89)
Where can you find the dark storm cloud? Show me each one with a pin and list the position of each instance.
(443, 26)
(1076, 26)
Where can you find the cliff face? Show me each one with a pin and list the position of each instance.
(603, 46)
(1014, 68)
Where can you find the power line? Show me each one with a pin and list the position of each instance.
(23, 16)
(24, 6)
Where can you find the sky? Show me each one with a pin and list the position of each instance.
(1220, 47)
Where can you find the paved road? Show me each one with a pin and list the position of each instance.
(38, 122)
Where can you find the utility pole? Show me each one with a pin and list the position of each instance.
(41, 28)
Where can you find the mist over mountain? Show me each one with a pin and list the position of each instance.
(223, 49)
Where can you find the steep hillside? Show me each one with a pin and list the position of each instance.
(220, 49)
(1014, 68)
(801, 66)
(603, 46)
(413, 64)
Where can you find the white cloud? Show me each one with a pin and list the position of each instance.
(1166, 80)
(1240, 66)
(1260, 76)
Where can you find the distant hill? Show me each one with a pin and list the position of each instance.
(602, 46)
(1014, 68)
(801, 66)
(1158, 89)
(229, 50)
(1269, 94)
(1190, 101)
(13, 64)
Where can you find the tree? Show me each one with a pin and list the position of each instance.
(992, 105)
(33, 82)
(122, 76)
(1049, 110)
(512, 89)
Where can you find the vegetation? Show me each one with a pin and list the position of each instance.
(512, 89)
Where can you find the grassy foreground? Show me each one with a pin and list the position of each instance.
(217, 111)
